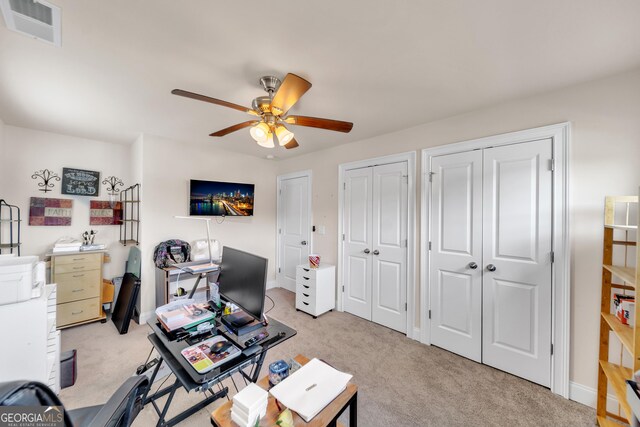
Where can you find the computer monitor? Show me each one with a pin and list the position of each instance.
(243, 280)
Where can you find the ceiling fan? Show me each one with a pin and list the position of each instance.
(271, 112)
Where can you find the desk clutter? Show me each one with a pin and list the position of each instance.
(249, 405)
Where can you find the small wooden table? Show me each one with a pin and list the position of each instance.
(221, 417)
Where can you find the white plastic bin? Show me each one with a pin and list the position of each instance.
(18, 278)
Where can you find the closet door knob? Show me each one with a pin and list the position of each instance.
(473, 265)
(303, 243)
(491, 267)
(366, 251)
(376, 252)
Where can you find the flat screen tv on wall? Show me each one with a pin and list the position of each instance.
(216, 198)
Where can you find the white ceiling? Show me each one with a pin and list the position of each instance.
(384, 65)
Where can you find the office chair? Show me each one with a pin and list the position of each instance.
(120, 411)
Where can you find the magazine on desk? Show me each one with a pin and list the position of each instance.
(203, 359)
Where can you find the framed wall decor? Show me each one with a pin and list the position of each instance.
(44, 211)
(79, 182)
(105, 213)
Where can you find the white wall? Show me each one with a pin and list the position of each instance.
(27, 151)
(2, 156)
(167, 167)
(604, 160)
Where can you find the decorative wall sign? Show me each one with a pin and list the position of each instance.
(112, 183)
(105, 213)
(43, 211)
(46, 176)
(80, 182)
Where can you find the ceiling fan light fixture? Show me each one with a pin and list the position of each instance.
(268, 142)
(260, 132)
(284, 135)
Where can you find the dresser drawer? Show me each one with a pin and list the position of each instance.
(75, 267)
(304, 302)
(305, 277)
(78, 285)
(304, 288)
(78, 311)
(79, 257)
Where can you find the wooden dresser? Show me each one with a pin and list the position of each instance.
(79, 279)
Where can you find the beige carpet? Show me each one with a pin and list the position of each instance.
(401, 382)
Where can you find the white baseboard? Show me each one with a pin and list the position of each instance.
(588, 396)
(272, 284)
(416, 334)
(146, 316)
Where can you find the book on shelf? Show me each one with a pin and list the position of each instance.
(183, 314)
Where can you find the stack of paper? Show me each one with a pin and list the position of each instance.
(312, 387)
(249, 405)
(66, 244)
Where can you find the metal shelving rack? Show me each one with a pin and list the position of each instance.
(619, 275)
(130, 222)
(7, 226)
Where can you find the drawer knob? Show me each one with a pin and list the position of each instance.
(305, 303)
(78, 275)
(78, 290)
(77, 312)
(305, 286)
(305, 295)
(305, 269)
(305, 278)
(78, 268)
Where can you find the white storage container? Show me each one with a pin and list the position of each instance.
(18, 278)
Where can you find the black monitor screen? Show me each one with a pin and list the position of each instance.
(243, 280)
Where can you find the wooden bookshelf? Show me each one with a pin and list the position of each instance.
(617, 277)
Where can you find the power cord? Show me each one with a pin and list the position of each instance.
(272, 306)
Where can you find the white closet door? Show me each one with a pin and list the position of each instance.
(294, 228)
(517, 259)
(358, 241)
(389, 251)
(456, 247)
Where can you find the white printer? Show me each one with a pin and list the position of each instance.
(21, 278)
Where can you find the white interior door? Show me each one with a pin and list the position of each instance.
(389, 250)
(490, 259)
(456, 253)
(358, 241)
(294, 229)
(517, 259)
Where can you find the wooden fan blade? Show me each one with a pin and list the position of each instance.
(234, 128)
(315, 122)
(204, 98)
(291, 144)
(290, 91)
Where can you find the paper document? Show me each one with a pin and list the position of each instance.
(312, 387)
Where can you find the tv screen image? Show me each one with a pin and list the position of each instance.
(217, 198)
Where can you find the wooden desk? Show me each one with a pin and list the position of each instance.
(221, 417)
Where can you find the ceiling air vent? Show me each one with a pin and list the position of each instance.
(38, 19)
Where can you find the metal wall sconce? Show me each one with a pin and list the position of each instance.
(112, 182)
(46, 176)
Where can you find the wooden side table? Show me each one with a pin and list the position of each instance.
(221, 417)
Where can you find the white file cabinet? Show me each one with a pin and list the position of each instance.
(315, 289)
(30, 347)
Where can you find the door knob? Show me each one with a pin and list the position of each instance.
(491, 267)
(473, 265)
(303, 243)
(366, 251)
(376, 252)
